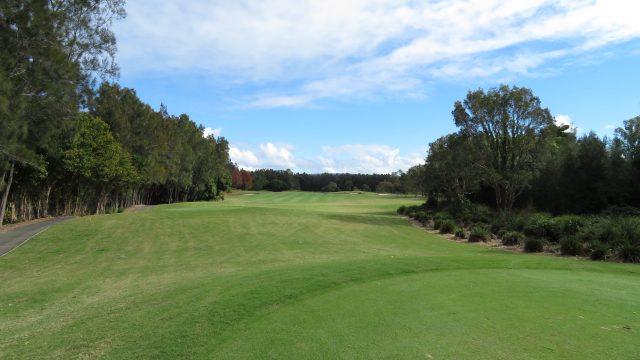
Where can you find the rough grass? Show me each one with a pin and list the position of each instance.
(302, 275)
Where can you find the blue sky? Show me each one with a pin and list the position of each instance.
(364, 86)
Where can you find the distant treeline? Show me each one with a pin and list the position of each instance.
(281, 180)
(68, 147)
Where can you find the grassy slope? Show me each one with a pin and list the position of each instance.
(302, 275)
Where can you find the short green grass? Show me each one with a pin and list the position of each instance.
(302, 276)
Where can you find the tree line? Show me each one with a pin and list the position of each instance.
(509, 152)
(512, 173)
(69, 147)
(281, 180)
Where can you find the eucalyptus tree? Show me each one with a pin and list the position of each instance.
(513, 129)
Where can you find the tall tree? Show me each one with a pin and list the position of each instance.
(51, 49)
(513, 129)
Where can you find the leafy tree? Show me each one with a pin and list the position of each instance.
(384, 187)
(96, 160)
(513, 129)
(331, 187)
(453, 167)
(277, 185)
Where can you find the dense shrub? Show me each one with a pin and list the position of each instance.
(412, 214)
(566, 225)
(422, 217)
(512, 238)
(431, 203)
(460, 233)
(571, 246)
(401, 210)
(478, 233)
(629, 253)
(533, 245)
(598, 251)
(629, 230)
(507, 221)
(538, 225)
(447, 226)
(441, 215)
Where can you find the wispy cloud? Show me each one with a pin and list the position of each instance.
(351, 158)
(334, 49)
(366, 158)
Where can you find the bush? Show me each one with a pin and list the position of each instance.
(331, 187)
(441, 215)
(512, 238)
(566, 225)
(422, 217)
(431, 203)
(629, 253)
(460, 233)
(412, 214)
(598, 251)
(447, 226)
(629, 230)
(507, 221)
(401, 210)
(533, 245)
(538, 225)
(478, 233)
(571, 246)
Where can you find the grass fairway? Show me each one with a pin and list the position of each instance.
(302, 276)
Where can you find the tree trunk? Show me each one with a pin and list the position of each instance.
(5, 196)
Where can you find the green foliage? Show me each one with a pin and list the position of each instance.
(538, 225)
(401, 210)
(385, 187)
(566, 225)
(422, 217)
(533, 245)
(571, 246)
(95, 155)
(628, 252)
(276, 185)
(460, 233)
(513, 133)
(512, 238)
(447, 226)
(478, 233)
(598, 251)
(331, 187)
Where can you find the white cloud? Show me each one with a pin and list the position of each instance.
(352, 158)
(245, 159)
(209, 131)
(269, 155)
(366, 158)
(562, 120)
(279, 156)
(364, 48)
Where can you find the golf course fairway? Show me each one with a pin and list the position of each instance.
(299, 275)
